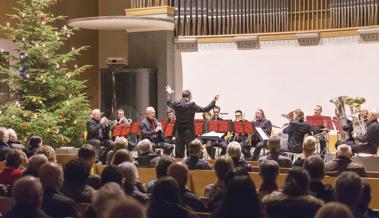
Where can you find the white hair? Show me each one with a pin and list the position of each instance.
(11, 132)
(149, 109)
(344, 151)
(234, 150)
(309, 143)
(129, 171)
(144, 146)
(94, 111)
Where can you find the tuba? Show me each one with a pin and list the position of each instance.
(359, 124)
(340, 112)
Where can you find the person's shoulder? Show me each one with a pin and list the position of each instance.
(274, 196)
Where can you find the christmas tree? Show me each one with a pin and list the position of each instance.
(45, 96)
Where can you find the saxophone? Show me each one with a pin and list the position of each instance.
(359, 124)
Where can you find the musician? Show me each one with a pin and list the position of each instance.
(370, 138)
(315, 130)
(121, 119)
(98, 133)
(221, 143)
(151, 129)
(259, 121)
(296, 130)
(185, 110)
(242, 139)
(171, 116)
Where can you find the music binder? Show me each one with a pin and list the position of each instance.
(121, 130)
(134, 128)
(242, 127)
(325, 121)
(219, 126)
(262, 135)
(212, 135)
(199, 127)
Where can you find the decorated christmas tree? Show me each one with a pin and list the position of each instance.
(45, 96)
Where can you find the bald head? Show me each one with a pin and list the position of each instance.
(179, 172)
(28, 190)
(51, 175)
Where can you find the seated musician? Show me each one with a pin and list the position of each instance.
(171, 118)
(370, 140)
(98, 134)
(146, 158)
(260, 121)
(296, 130)
(242, 139)
(121, 119)
(315, 130)
(210, 144)
(194, 161)
(151, 129)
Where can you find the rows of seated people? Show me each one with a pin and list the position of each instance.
(41, 188)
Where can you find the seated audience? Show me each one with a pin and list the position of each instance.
(309, 148)
(166, 201)
(130, 173)
(13, 140)
(240, 200)
(343, 162)
(12, 169)
(274, 153)
(179, 172)
(120, 143)
(315, 167)
(334, 210)
(234, 151)
(223, 166)
(35, 163)
(161, 170)
(295, 200)
(55, 204)
(363, 207)
(194, 161)
(105, 197)
(48, 151)
(268, 171)
(146, 157)
(348, 191)
(34, 142)
(28, 194)
(121, 156)
(112, 174)
(4, 146)
(126, 208)
(87, 154)
(75, 186)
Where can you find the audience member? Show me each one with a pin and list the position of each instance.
(112, 174)
(179, 172)
(161, 170)
(309, 148)
(274, 149)
(240, 200)
(28, 194)
(130, 173)
(87, 154)
(75, 186)
(334, 210)
(4, 146)
(55, 204)
(343, 162)
(223, 166)
(121, 156)
(126, 208)
(348, 190)
(166, 201)
(33, 143)
(194, 161)
(363, 207)
(120, 143)
(146, 157)
(48, 151)
(12, 169)
(13, 140)
(35, 163)
(315, 167)
(268, 171)
(234, 151)
(295, 200)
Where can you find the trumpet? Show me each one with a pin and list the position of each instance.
(105, 121)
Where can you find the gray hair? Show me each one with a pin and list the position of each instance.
(344, 151)
(149, 109)
(3, 131)
(95, 111)
(107, 195)
(144, 146)
(234, 150)
(309, 144)
(129, 171)
(13, 133)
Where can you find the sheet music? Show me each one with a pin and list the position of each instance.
(261, 133)
(213, 134)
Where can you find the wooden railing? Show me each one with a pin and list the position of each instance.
(224, 17)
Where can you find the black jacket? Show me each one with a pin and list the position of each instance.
(185, 112)
(195, 163)
(93, 130)
(148, 132)
(266, 127)
(55, 204)
(4, 148)
(23, 211)
(296, 132)
(371, 137)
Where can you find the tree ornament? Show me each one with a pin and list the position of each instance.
(61, 114)
(25, 125)
(17, 90)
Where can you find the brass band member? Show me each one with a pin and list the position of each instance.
(319, 129)
(260, 121)
(151, 129)
(171, 116)
(122, 120)
(296, 130)
(185, 110)
(242, 139)
(210, 144)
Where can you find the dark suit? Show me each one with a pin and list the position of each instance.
(55, 204)
(147, 160)
(4, 148)
(25, 210)
(97, 135)
(257, 142)
(157, 138)
(210, 144)
(184, 125)
(342, 164)
(371, 139)
(283, 161)
(195, 163)
(296, 132)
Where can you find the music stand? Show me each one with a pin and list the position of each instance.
(121, 130)
(199, 127)
(243, 128)
(219, 126)
(134, 128)
(324, 121)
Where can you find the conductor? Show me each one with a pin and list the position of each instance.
(185, 110)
